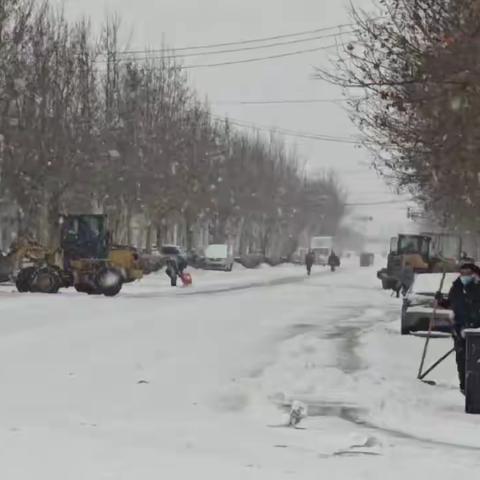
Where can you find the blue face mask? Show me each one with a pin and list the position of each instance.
(466, 279)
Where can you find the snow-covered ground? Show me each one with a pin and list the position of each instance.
(197, 383)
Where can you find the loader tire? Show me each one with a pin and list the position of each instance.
(46, 281)
(109, 282)
(24, 280)
(88, 289)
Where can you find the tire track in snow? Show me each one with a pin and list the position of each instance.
(276, 282)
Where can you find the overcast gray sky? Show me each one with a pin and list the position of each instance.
(198, 22)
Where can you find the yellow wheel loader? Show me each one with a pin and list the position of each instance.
(424, 253)
(86, 260)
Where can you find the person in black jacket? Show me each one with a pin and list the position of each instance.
(464, 300)
(175, 268)
(309, 261)
(333, 261)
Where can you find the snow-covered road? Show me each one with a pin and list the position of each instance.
(194, 383)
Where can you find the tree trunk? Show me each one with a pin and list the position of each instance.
(159, 232)
(148, 238)
(188, 232)
(53, 222)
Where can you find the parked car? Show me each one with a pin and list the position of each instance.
(298, 257)
(218, 257)
(417, 306)
(195, 260)
(367, 259)
(251, 260)
(276, 261)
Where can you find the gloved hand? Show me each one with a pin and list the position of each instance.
(458, 332)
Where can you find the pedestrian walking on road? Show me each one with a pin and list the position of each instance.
(407, 277)
(309, 261)
(333, 261)
(464, 300)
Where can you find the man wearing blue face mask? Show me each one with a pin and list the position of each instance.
(464, 300)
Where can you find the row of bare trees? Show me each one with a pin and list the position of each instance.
(412, 74)
(83, 129)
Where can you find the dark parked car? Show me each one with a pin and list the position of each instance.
(172, 251)
(367, 259)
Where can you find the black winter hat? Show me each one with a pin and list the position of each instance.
(470, 266)
(476, 269)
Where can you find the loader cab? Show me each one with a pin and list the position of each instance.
(446, 246)
(414, 245)
(414, 249)
(84, 237)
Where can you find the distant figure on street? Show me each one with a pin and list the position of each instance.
(464, 300)
(407, 277)
(333, 261)
(309, 261)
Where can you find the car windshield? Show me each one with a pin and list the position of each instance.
(216, 251)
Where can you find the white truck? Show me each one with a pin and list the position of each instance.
(322, 247)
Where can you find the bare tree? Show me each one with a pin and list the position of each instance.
(416, 68)
(85, 128)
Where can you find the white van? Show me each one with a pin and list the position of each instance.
(219, 257)
(322, 247)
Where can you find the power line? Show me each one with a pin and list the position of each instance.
(166, 55)
(381, 202)
(249, 41)
(260, 59)
(291, 133)
(280, 102)
(297, 134)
